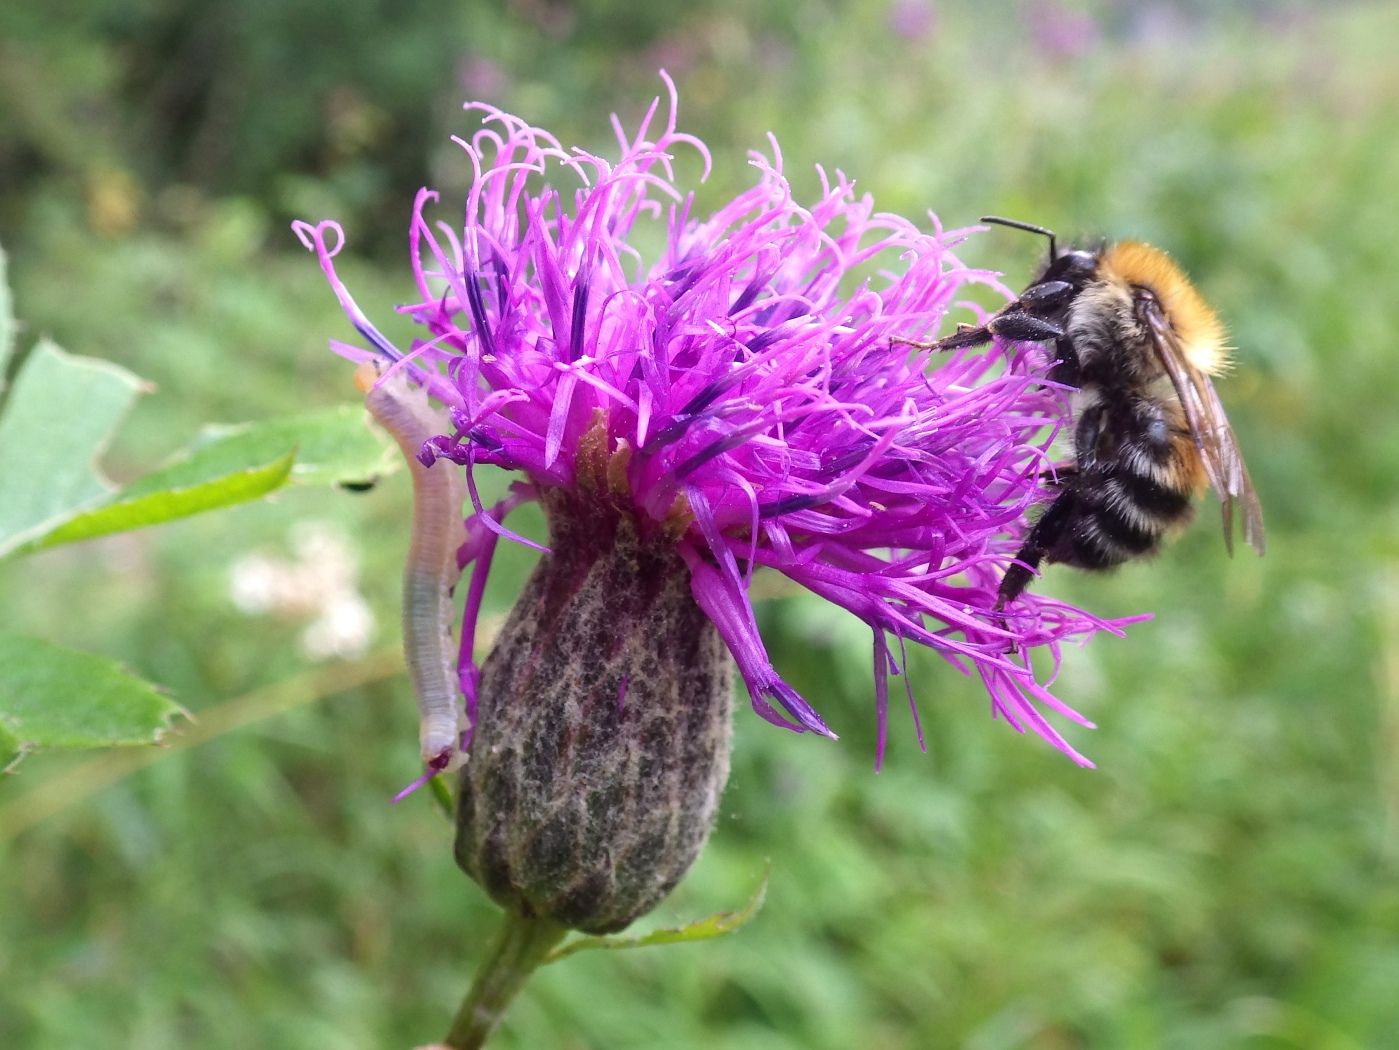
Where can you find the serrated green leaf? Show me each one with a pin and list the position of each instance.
(58, 419)
(702, 930)
(7, 323)
(138, 512)
(56, 697)
(333, 447)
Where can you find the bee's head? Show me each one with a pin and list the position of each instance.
(1075, 266)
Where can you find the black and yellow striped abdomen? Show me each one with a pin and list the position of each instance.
(1137, 471)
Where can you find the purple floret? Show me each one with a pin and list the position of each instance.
(751, 393)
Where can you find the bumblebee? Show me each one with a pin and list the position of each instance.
(1138, 342)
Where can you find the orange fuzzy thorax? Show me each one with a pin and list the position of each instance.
(1198, 328)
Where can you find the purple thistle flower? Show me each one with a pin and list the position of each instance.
(744, 389)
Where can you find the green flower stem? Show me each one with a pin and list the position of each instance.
(520, 946)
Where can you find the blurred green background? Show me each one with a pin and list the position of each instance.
(1225, 878)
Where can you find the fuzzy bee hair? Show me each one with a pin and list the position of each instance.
(1140, 345)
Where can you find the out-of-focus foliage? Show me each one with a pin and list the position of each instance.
(1226, 877)
(56, 421)
(60, 698)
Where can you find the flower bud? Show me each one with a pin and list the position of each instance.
(602, 739)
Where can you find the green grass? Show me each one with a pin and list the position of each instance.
(1225, 878)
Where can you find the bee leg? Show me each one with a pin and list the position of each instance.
(1060, 475)
(1038, 543)
(1047, 295)
(965, 336)
(1065, 367)
(1022, 326)
(1018, 321)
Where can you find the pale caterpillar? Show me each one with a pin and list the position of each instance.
(431, 570)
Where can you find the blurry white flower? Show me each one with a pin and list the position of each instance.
(320, 583)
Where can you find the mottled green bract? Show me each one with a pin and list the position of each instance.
(594, 774)
(1227, 879)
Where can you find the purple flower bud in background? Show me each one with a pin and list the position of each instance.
(726, 401)
(914, 20)
(1060, 30)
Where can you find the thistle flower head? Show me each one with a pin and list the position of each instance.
(740, 396)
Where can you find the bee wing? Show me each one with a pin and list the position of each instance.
(1224, 465)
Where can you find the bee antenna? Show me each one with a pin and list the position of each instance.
(1016, 224)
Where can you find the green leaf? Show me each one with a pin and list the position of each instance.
(226, 465)
(138, 512)
(58, 420)
(702, 930)
(56, 697)
(334, 446)
(7, 321)
(442, 795)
